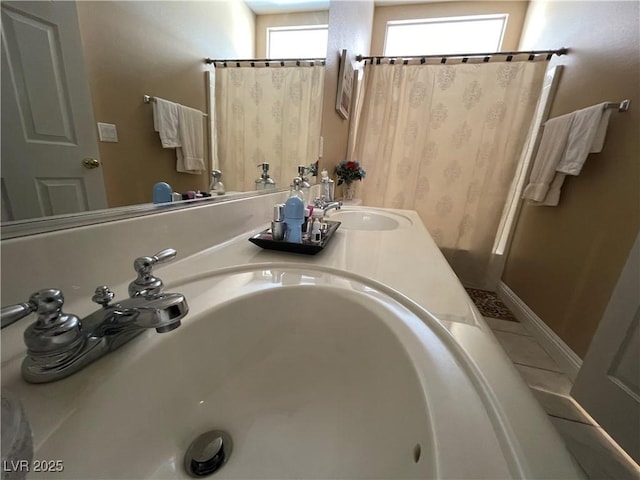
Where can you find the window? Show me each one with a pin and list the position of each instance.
(433, 36)
(307, 41)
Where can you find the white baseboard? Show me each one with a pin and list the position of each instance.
(566, 358)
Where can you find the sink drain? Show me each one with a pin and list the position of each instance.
(208, 453)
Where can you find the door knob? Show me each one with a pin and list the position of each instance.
(90, 163)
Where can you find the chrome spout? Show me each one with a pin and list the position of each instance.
(332, 206)
(162, 312)
(325, 206)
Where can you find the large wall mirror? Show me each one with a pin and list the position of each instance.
(76, 133)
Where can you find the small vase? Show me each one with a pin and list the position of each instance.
(348, 191)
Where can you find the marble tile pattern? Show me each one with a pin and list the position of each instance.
(592, 448)
(525, 350)
(561, 406)
(545, 379)
(506, 326)
(595, 454)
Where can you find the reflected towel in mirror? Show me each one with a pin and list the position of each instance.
(191, 153)
(165, 122)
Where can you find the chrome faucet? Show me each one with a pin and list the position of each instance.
(60, 344)
(325, 206)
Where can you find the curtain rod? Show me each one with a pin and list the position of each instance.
(531, 53)
(266, 61)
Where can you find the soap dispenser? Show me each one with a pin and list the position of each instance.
(296, 189)
(216, 187)
(328, 186)
(305, 186)
(265, 182)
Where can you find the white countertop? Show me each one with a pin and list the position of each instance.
(405, 259)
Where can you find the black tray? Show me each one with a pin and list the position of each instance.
(265, 240)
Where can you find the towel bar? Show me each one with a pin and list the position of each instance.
(623, 106)
(150, 99)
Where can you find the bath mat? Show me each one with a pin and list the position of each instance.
(490, 305)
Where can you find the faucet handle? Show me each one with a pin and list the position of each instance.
(164, 255)
(102, 296)
(47, 302)
(54, 330)
(320, 201)
(144, 265)
(146, 283)
(13, 313)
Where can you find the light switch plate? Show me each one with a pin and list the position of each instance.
(107, 132)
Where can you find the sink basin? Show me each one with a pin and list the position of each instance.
(372, 220)
(313, 373)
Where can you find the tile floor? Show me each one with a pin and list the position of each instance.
(584, 438)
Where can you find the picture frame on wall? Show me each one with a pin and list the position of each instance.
(345, 86)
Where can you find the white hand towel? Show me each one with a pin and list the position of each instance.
(586, 136)
(165, 122)
(190, 156)
(543, 174)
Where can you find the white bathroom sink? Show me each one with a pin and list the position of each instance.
(314, 374)
(367, 219)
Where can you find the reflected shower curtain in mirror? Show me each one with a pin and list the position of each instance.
(267, 114)
(445, 140)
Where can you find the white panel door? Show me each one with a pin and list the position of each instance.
(608, 384)
(48, 126)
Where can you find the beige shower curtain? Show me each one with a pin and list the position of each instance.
(267, 114)
(445, 140)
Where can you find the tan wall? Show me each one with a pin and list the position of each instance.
(516, 10)
(284, 20)
(350, 24)
(155, 48)
(564, 261)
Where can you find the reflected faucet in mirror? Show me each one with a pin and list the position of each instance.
(60, 344)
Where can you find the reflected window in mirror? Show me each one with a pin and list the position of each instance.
(301, 41)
